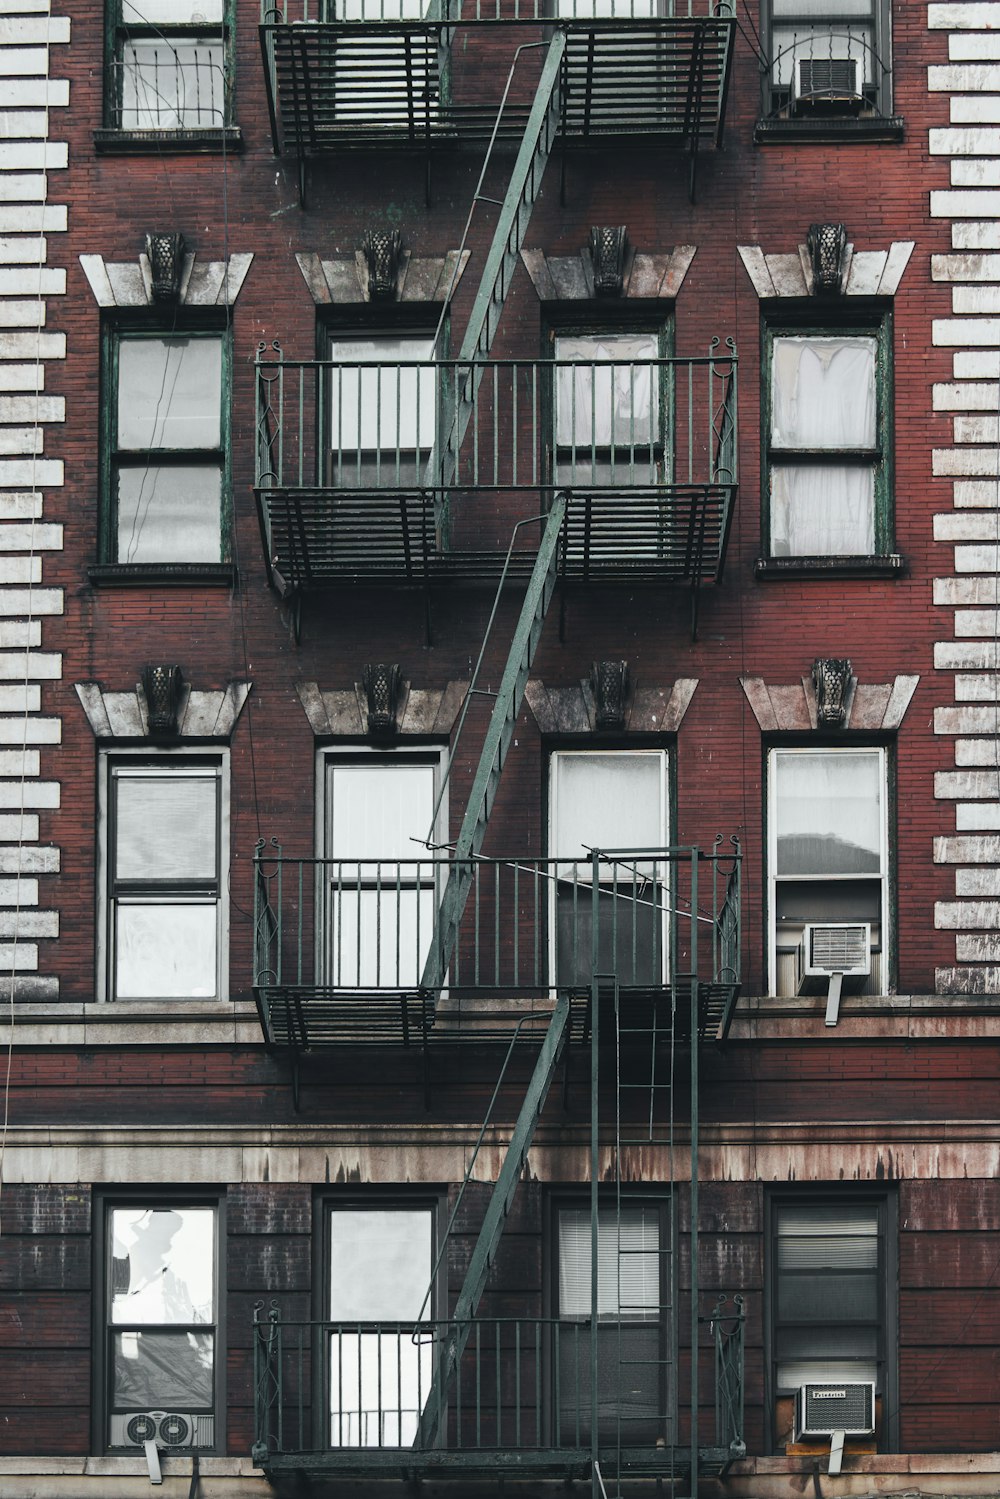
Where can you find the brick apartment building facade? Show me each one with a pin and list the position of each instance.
(499, 747)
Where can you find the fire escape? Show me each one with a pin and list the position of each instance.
(627, 960)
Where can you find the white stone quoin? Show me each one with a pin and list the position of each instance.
(31, 283)
(969, 533)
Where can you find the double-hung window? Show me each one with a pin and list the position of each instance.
(381, 880)
(827, 428)
(828, 58)
(380, 1364)
(608, 799)
(165, 847)
(166, 470)
(610, 409)
(387, 75)
(832, 1310)
(382, 398)
(160, 1351)
(828, 862)
(169, 66)
(634, 1391)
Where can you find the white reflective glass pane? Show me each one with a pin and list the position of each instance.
(613, 406)
(166, 826)
(172, 84)
(379, 1383)
(806, 9)
(171, 12)
(790, 43)
(382, 10)
(624, 9)
(612, 800)
(170, 514)
(390, 408)
(166, 951)
(380, 1264)
(822, 510)
(628, 1263)
(162, 1265)
(823, 393)
(379, 938)
(828, 813)
(162, 1370)
(169, 393)
(380, 811)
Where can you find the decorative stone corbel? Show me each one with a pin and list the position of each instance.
(827, 246)
(163, 686)
(378, 265)
(165, 253)
(831, 679)
(609, 684)
(381, 682)
(607, 254)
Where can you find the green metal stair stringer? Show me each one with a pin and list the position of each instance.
(515, 215)
(494, 1221)
(506, 707)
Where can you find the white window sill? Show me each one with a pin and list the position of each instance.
(128, 1023)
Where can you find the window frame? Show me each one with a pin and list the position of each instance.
(886, 876)
(876, 111)
(113, 136)
(559, 754)
(886, 1388)
(422, 1198)
(596, 323)
(328, 756)
(148, 757)
(876, 324)
(156, 1198)
(114, 334)
(667, 1216)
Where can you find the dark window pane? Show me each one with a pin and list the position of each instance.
(166, 827)
(162, 1370)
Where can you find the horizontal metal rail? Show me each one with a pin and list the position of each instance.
(364, 927)
(394, 12)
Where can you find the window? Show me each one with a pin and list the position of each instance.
(389, 80)
(827, 424)
(830, 60)
(167, 473)
(169, 64)
(380, 1265)
(161, 1308)
(608, 799)
(610, 415)
(381, 879)
(383, 409)
(634, 1396)
(832, 1315)
(164, 846)
(828, 861)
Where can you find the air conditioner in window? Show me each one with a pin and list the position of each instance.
(834, 947)
(829, 83)
(172, 1430)
(823, 1410)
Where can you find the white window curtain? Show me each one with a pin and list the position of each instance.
(828, 813)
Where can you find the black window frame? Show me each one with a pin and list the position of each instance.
(112, 890)
(111, 568)
(869, 321)
(870, 117)
(887, 1281)
(666, 1420)
(114, 137)
(423, 1198)
(158, 1198)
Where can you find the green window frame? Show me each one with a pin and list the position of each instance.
(169, 70)
(801, 38)
(826, 438)
(166, 502)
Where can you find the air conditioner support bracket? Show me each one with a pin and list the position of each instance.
(833, 1013)
(153, 1461)
(836, 1441)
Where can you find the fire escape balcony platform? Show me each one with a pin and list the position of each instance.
(393, 84)
(561, 1465)
(318, 538)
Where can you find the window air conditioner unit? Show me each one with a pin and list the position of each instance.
(834, 947)
(827, 83)
(824, 1410)
(172, 1430)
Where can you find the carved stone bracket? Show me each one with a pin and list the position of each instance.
(832, 681)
